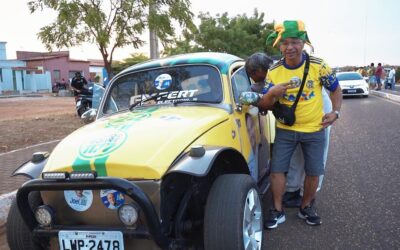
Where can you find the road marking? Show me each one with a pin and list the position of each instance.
(32, 146)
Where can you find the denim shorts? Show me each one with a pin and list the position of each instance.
(312, 145)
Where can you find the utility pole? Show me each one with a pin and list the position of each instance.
(154, 53)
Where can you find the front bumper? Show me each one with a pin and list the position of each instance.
(355, 91)
(153, 229)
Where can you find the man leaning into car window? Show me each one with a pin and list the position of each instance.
(308, 131)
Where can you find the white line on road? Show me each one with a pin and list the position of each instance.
(20, 149)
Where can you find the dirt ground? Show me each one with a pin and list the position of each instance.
(26, 121)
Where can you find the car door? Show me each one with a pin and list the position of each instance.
(253, 127)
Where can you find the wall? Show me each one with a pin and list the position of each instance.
(6, 66)
(63, 64)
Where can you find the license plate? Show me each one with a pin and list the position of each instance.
(352, 91)
(88, 240)
(78, 103)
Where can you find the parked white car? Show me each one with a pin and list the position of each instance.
(352, 83)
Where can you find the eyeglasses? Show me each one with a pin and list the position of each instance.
(295, 43)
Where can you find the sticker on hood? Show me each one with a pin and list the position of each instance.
(79, 200)
(102, 143)
(163, 81)
(112, 199)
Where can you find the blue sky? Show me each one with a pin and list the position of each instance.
(343, 32)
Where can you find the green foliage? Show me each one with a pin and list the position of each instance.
(134, 59)
(240, 35)
(110, 24)
(397, 75)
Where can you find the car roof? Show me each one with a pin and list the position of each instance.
(221, 60)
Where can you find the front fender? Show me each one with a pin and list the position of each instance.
(200, 166)
(33, 168)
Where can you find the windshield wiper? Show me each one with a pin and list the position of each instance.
(153, 97)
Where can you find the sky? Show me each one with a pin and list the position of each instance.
(343, 32)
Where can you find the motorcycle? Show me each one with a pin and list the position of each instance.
(84, 100)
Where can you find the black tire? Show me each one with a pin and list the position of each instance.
(19, 237)
(224, 213)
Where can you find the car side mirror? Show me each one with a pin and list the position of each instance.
(89, 116)
(249, 98)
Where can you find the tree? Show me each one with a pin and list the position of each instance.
(134, 59)
(110, 24)
(240, 35)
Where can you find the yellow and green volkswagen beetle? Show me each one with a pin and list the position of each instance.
(172, 161)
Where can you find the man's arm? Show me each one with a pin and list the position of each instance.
(273, 94)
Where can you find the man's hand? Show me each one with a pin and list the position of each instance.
(328, 119)
(279, 90)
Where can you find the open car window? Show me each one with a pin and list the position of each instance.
(194, 83)
(240, 83)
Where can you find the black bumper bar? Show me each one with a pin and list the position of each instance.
(122, 185)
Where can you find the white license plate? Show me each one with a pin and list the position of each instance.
(78, 103)
(351, 91)
(88, 240)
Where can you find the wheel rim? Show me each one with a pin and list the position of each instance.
(252, 221)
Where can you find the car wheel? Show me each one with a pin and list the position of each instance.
(233, 214)
(19, 237)
(365, 96)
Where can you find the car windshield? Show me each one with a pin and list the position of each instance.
(194, 83)
(348, 76)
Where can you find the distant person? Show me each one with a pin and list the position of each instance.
(378, 76)
(63, 84)
(78, 85)
(371, 75)
(392, 79)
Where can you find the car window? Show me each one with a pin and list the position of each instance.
(194, 83)
(348, 76)
(240, 83)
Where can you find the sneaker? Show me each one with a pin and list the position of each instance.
(276, 217)
(292, 199)
(310, 215)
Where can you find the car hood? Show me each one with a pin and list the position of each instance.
(138, 145)
(349, 83)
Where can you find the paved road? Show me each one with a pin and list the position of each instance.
(360, 200)
(11, 160)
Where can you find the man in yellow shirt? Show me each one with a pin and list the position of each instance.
(308, 129)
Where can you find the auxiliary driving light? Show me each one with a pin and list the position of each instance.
(44, 215)
(54, 175)
(128, 214)
(90, 175)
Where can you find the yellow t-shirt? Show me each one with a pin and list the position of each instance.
(309, 110)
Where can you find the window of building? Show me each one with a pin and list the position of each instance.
(1, 75)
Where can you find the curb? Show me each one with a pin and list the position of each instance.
(5, 201)
(395, 98)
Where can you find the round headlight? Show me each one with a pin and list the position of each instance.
(44, 215)
(128, 214)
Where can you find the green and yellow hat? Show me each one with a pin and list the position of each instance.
(292, 29)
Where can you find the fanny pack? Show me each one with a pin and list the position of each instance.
(285, 114)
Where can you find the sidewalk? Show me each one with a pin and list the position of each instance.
(393, 95)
